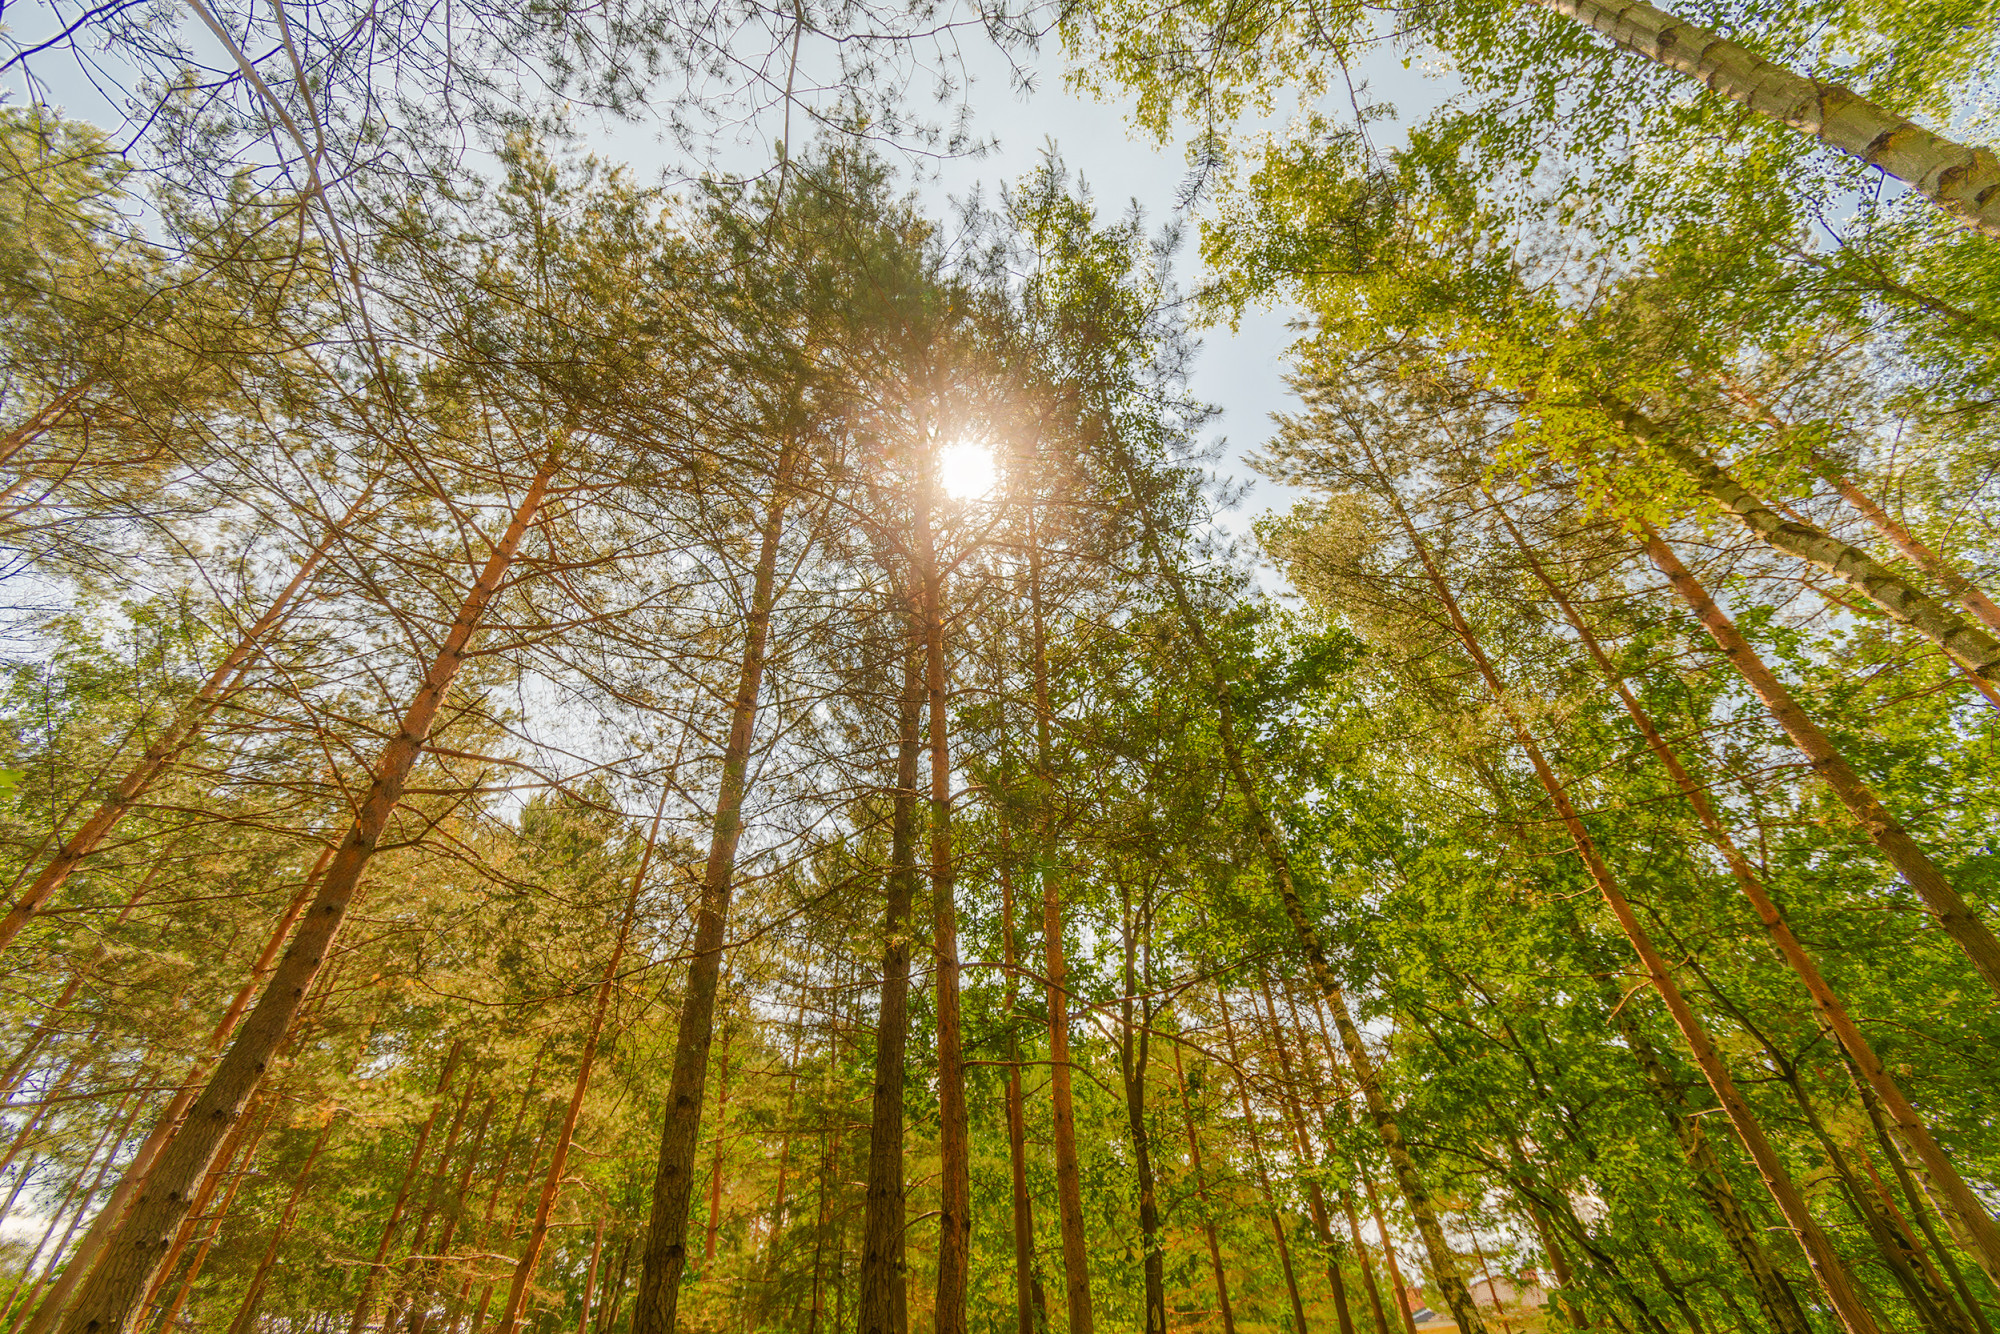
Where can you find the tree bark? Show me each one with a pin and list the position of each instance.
(1132, 1062)
(1901, 600)
(884, 1291)
(954, 1130)
(1029, 1315)
(1827, 1266)
(1909, 1124)
(109, 1301)
(1207, 1205)
(1069, 1173)
(1263, 1174)
(1302, 1146)
(1910, 860)
(1963, 181)
(665, 1258)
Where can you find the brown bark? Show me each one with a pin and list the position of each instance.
(109, 1300)
(1132, 1062)
(1957, 918)
(954, 1132)
(1961, 180)
(1271, 843)
(590, 1280)
(214, 1228)
(1207, 1205)
(174, 738)
(1302, 1146)
(1828, 1267)
(1028, 1312)
(1832, 1010)
(199, 1219)
(109, 1218)
(665, 1258)
(1263, 1174)
(714, 1222)
(884, 1292)
(1069, 1174)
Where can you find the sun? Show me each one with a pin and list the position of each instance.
(966, 470)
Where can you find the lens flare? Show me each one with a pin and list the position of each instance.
(966, 471)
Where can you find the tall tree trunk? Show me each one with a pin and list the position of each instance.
(214, 1227)
(1272, 844)
(1132, 1061)
(954, 1129)
(400, 1299)
(1388, 1251)
(673, 1185)
(1957, 918)
(1069, 1173)
(1909, 1123)
(1302, 1146)
(1828, 1267)
(714, 1222)
(109, 1300)
(1969, 594)
(884, 1291)
(1963, 181)
(1263, 1173)
(590, 1280)
(538, 1230)
(1222, 1305)
(174, 738)
(137, 1172)
(1901, 600)
(1029, 1315)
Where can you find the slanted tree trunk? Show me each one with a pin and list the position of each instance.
(1222, 1305)
(1909, 1124)
(173, 739)
(607, 985)
(673, 1185)
(428, 1272)
(1901, 600)
(400, 1298)
(714, 1223)
(109, 1300)
(1302, 1146)
(1069, 1173)
(1963, 181)
(1957, 917)
(1827, 1266)
(884, 1293)
(1263, 1173)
